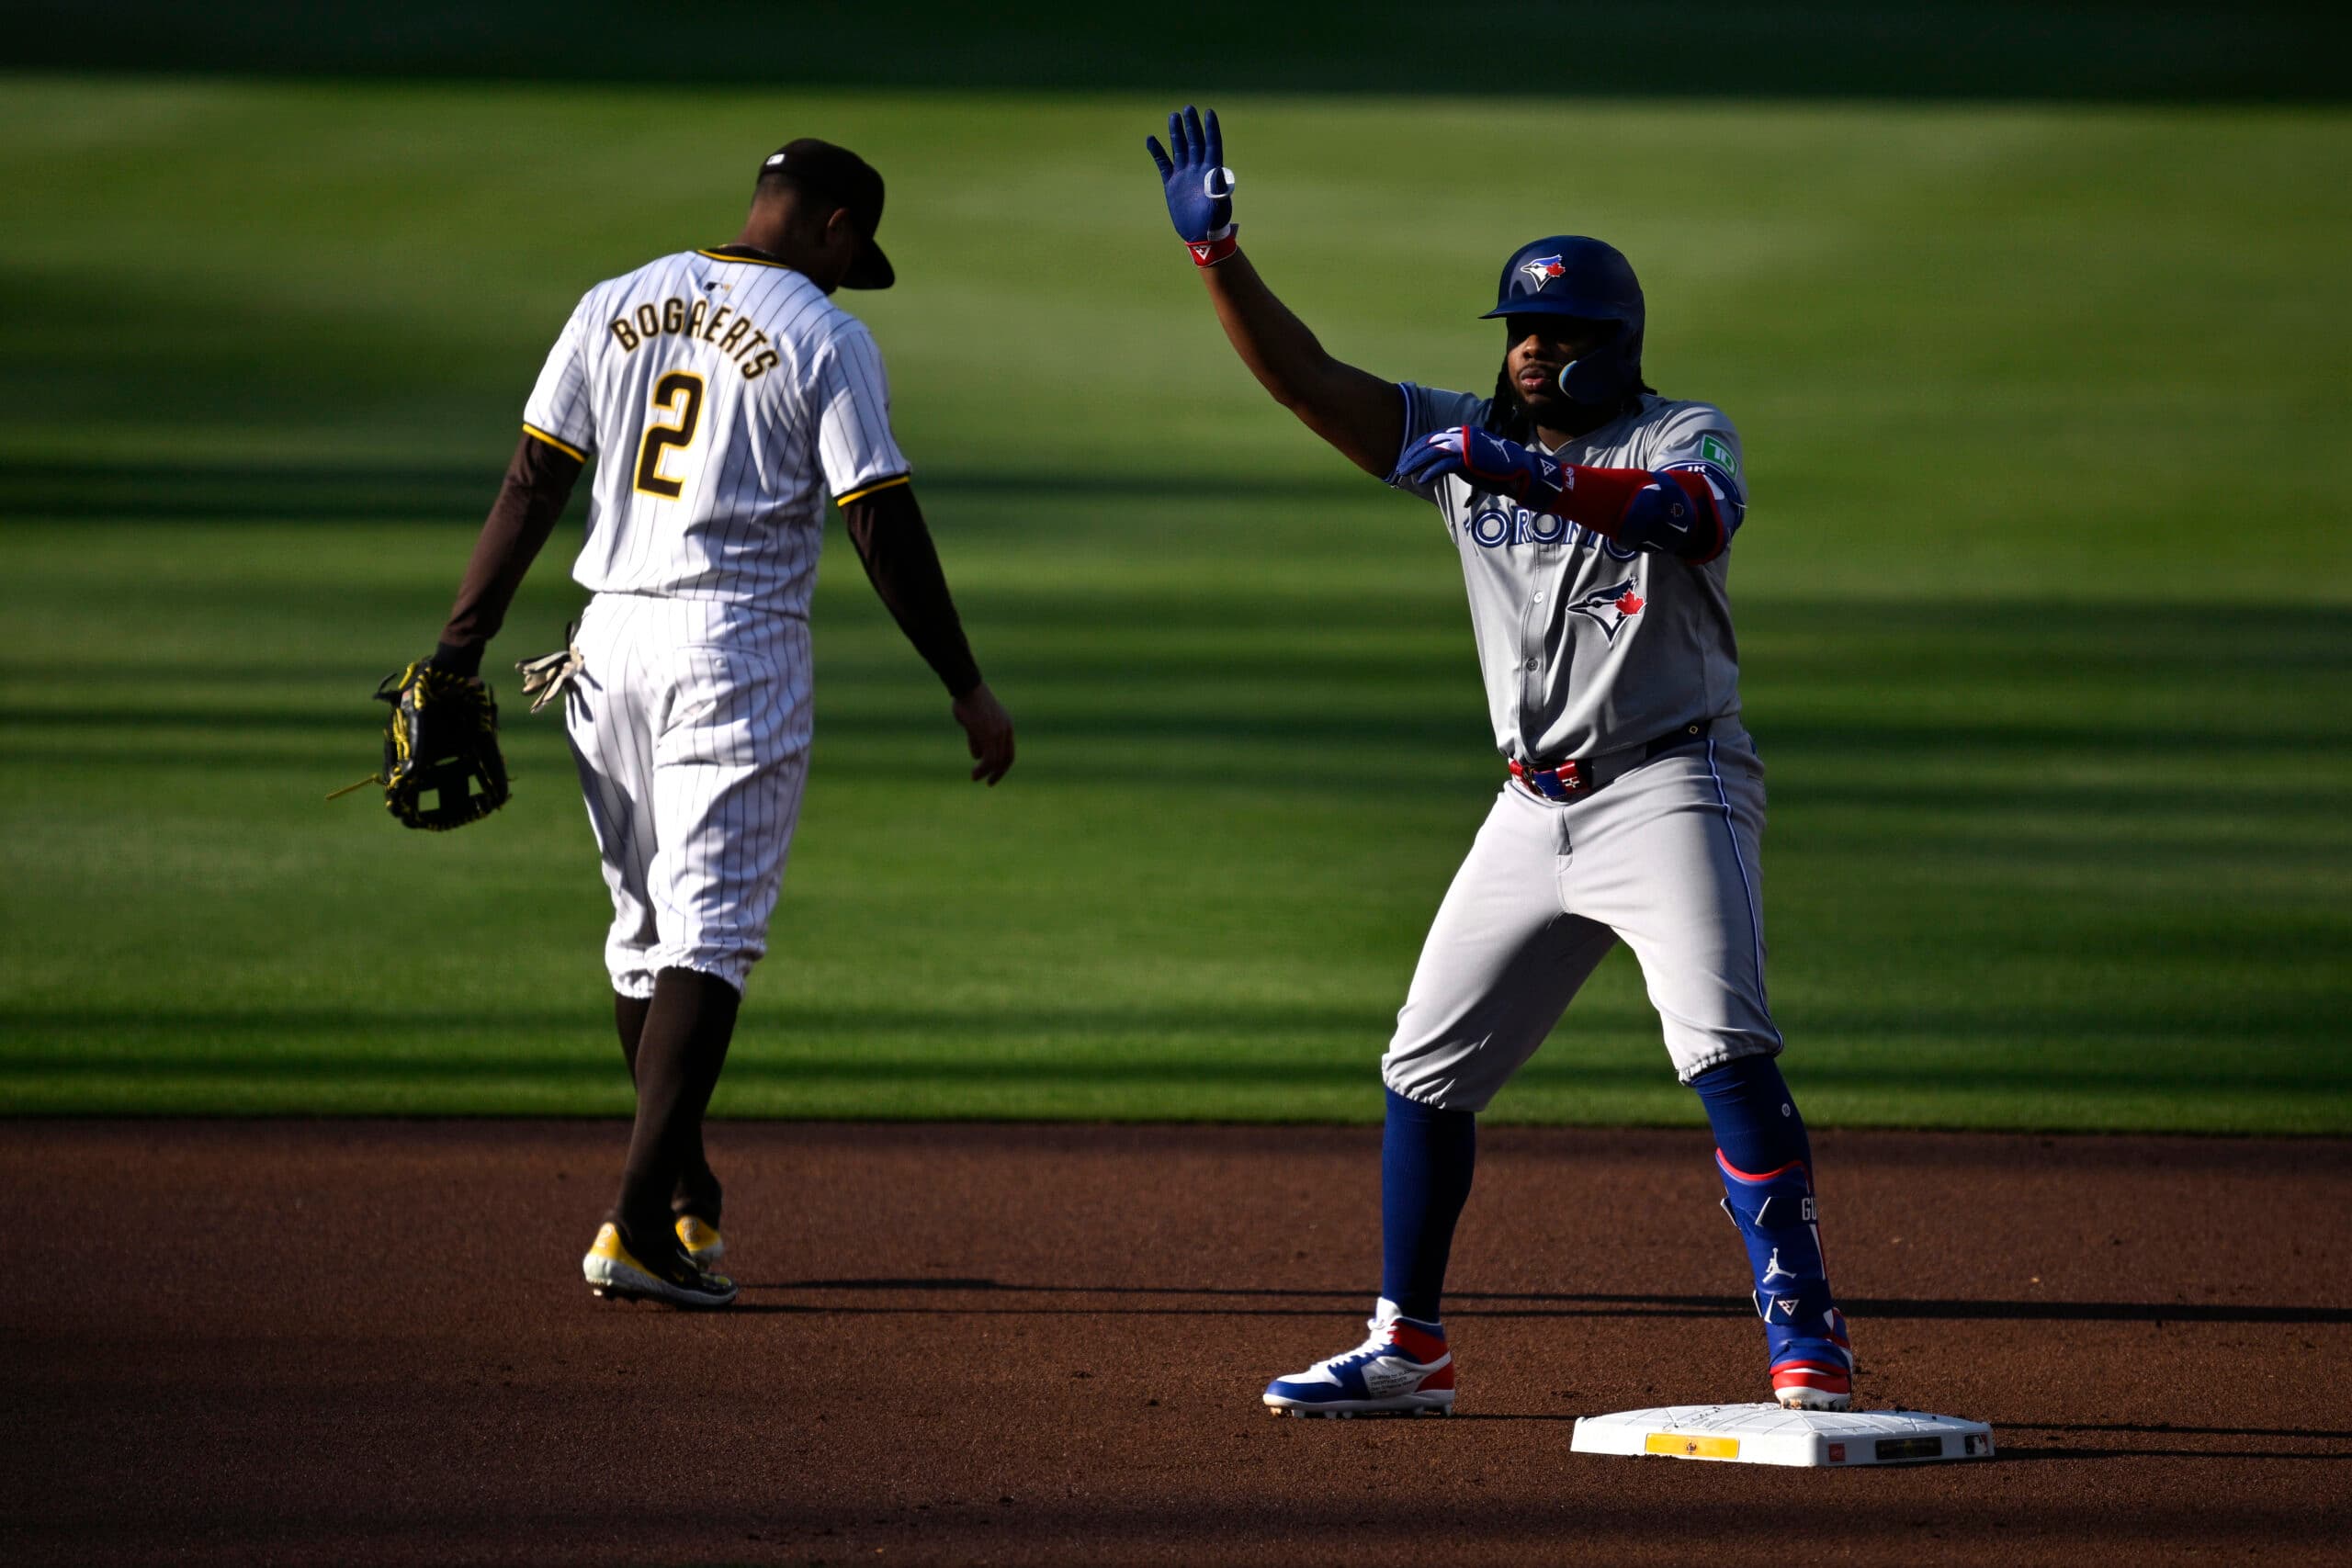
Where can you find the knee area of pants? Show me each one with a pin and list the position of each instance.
(730, 976)
(730, 963)
(1729, 1057)
(1433, 1095)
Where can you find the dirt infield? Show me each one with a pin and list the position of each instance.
(368, 1342)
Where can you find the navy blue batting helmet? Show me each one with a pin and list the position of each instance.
(1567, 275)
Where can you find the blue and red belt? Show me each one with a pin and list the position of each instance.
(1579, 776)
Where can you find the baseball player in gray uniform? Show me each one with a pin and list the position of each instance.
(722, 395)
(1593, 519)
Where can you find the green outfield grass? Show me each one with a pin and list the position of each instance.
(2046, 602)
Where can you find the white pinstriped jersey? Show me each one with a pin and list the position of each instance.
(723, 396)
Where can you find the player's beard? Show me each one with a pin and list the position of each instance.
(1547, 407)
(1550, 408)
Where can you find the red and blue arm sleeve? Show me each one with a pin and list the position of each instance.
(1679, 510)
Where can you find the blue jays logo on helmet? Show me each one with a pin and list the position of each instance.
(1543, 269)
(1574, 275)
(1570, 275)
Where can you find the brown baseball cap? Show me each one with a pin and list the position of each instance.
(840, 175)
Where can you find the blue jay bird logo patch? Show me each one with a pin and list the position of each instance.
(1543, 269)
(1610, 608)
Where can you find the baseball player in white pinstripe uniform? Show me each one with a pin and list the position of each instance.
(723, 396)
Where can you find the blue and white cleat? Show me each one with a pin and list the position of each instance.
(1403, 1370)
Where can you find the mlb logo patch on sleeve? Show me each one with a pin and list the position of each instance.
(1715, 449)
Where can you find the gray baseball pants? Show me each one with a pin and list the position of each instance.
(1663, 856)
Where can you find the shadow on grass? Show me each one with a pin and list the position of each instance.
(72, 1039)
(1090, 1068)
(446, 493)
(1296, 703)
(1965, 746)
(2056, 766)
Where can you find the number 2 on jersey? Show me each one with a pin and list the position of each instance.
(679, 395)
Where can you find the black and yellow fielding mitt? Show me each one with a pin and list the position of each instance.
(442, 766)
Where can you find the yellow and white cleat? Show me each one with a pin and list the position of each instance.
(612, 1270)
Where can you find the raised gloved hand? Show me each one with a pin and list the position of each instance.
(1199, 186)
(1489, 463)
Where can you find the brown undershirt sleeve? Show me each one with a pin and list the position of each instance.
(539, 483)
(887, 526)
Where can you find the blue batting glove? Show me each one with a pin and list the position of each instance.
(1488, 462)
(1199, 187)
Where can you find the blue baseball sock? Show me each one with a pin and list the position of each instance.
(1756, 1122)
(1426, 1158)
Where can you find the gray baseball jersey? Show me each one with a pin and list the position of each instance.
(1587, 646)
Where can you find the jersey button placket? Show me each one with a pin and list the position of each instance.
(1532, 624)
(1556, 563)
(1531, 646)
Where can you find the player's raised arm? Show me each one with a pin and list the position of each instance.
(1354, 410)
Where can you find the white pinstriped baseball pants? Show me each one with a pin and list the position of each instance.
(1663, 857)
(690, 722)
